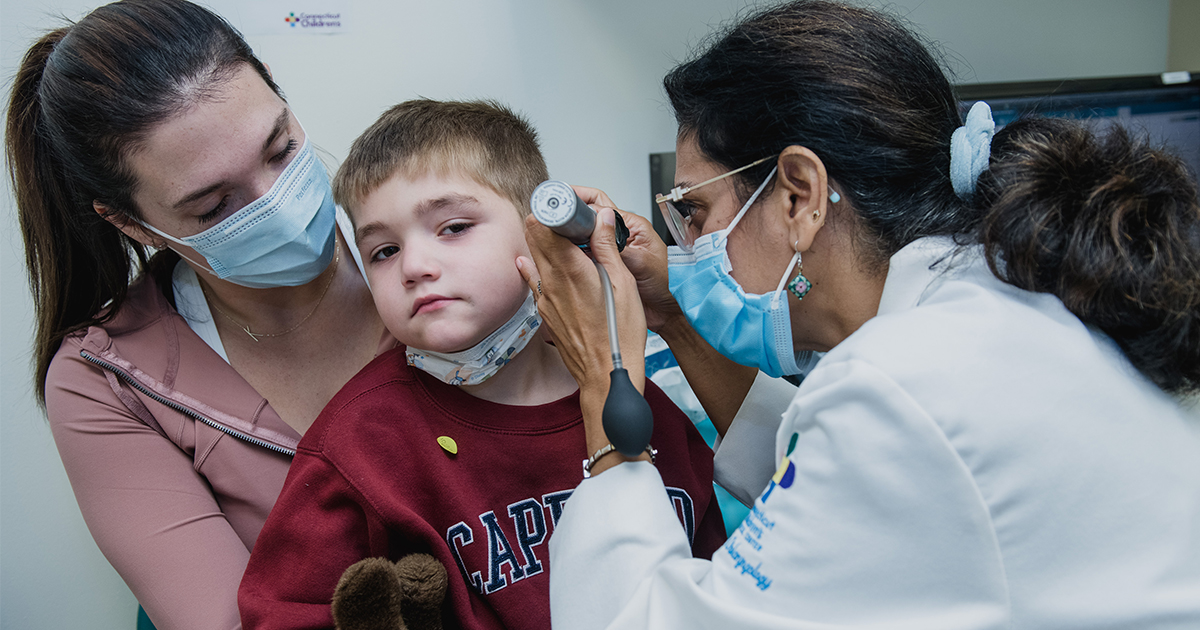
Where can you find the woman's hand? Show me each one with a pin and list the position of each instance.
(645, 255)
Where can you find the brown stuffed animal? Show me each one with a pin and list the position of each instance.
(378, 594)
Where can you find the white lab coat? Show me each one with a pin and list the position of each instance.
(972, 457)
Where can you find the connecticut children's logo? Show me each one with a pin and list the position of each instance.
(318, 21)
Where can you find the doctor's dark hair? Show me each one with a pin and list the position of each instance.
(851, 84)
(84, 98)
(1111, 226)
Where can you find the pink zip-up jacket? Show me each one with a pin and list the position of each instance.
(174, 458)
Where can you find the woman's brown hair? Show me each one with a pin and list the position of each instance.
(84, 96)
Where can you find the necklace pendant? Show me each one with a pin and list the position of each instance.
(337, 256)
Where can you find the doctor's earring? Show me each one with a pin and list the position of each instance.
(800, 285)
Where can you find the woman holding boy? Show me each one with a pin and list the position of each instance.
(177, 400)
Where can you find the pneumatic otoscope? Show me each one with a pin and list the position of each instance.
(627, 418)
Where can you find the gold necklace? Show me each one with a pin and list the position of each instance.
(337, 255)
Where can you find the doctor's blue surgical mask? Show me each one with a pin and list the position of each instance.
(284, 238)
(750, 329)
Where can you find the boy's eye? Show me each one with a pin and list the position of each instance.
(385, 252)
(455, 228)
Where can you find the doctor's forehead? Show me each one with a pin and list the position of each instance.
(692, 166)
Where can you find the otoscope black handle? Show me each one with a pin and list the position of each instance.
(627, 420)
(622, 232)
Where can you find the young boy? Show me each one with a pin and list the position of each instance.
(465, 443)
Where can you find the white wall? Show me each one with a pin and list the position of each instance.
(586, 72)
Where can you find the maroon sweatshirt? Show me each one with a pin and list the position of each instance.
(370, 480)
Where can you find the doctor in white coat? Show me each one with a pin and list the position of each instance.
(990, 440)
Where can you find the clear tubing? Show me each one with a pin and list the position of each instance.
(610, 313)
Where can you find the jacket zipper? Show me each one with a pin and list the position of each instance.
(181, 409)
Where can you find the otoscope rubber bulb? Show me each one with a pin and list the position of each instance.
(627, 419)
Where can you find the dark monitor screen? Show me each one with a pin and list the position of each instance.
(1165, 108)
(1167, 112)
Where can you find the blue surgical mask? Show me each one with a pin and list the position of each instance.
(750, 329)
(284, 238)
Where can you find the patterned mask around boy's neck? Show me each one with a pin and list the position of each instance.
(480, 362)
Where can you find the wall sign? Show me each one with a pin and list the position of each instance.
(286, 17)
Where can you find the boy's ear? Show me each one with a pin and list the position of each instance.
(804, 186)
(132, 229)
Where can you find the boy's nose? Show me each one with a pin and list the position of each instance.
(418, 264)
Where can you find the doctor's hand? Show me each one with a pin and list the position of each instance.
(719, 384)
(571, 303)
(645, 255)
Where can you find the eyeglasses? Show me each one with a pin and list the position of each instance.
(679, 220)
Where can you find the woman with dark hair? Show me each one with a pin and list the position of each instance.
(989, 440)
(177, 399)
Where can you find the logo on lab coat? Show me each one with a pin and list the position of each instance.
(783, 478)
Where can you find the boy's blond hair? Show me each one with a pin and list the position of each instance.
(484, 140)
